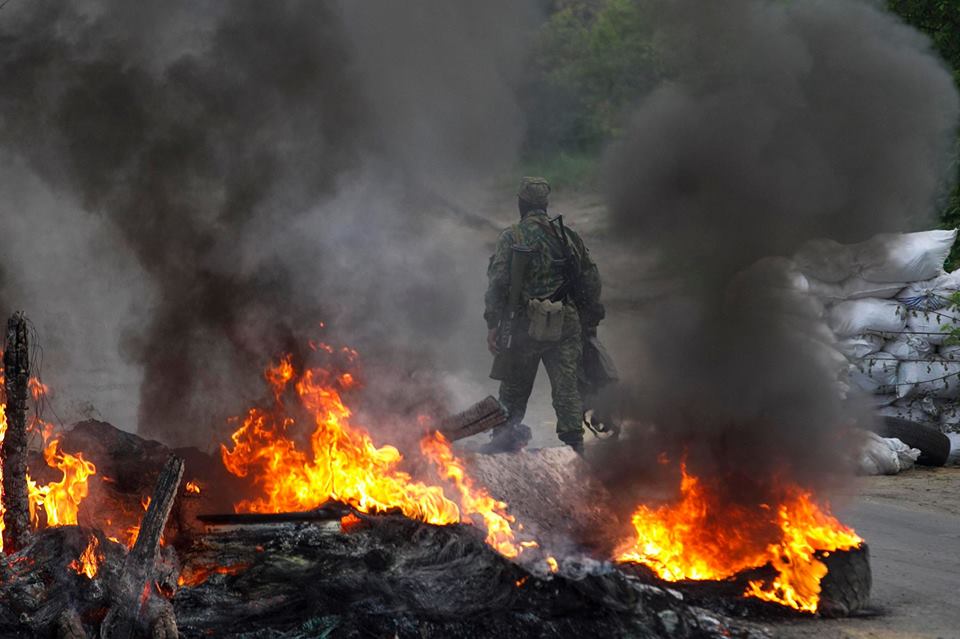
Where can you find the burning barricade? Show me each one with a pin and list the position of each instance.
(321, 514)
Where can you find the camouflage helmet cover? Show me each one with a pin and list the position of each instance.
(534, 191)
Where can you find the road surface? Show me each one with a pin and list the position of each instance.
(912, 524)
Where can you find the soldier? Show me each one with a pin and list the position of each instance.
(544, 294)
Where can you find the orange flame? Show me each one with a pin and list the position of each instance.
(61, 500)
(699, 538)
(89, 562)
(133, 531)
(473, 501)
(339, 461)
(193, 487)
(193, 576)
(37, 388)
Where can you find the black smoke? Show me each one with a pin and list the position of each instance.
(265, 165)
(781, 122)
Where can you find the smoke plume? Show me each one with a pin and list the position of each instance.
(782, 122)
(265, 166)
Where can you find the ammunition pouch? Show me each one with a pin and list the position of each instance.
(546, 320)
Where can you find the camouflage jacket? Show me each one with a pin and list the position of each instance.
(544, 275)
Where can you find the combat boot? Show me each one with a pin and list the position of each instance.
(507, 439)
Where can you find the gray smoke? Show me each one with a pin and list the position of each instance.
(781, 122)
(253, 169)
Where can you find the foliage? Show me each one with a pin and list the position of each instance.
(593, 60)
(566, 170)
(940, 20)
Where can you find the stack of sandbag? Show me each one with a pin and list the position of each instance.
(888, 302)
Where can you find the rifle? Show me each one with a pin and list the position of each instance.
(502, 361)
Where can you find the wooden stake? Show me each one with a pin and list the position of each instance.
(132, 592)
(16, 370)
(486, 414)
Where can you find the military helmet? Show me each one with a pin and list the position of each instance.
(534, 191)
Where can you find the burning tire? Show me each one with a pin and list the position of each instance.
(933, 445)
(846, 587)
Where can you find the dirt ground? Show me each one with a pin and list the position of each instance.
(911, 522)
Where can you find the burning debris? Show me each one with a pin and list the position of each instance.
(351, 522)
(701, 538)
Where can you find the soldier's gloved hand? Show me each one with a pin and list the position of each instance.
(492, 342)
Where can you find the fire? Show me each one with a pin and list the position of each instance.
(61, 500)
(339, 461)
(348, 522)
(89, 562)
(193, 576)
(474, 501)
(699, 538)
(133, 531)
(193, 487)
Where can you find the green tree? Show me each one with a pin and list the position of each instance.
(940, 20)
(594, 59)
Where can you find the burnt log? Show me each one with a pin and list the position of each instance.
(43, 594)
(485, 415)
(69, 625)
(16, 370)
(135, 606)
(388, 576)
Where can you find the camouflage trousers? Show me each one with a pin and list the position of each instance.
(562, 361)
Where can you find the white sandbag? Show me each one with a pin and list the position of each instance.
(930, 295)
(906, 456)
(877, 457)
(904, 257)
(932, 325)
(826, 260)
(876, 374)
(859, 346)
(855, 317)
(951, 352)
(853, 288)
(929, 379)
(909, 347)
(886, 455)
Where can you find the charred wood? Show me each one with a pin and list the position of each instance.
(389, 576)
(69, 625)
(486, 414)
(134, 600)
(16, 370)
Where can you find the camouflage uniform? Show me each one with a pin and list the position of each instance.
(544, 276)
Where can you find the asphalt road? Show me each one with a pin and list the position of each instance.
(912, 525)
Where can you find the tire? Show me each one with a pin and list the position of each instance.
(934, 446)
(846, 587)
